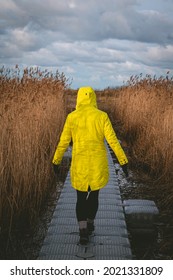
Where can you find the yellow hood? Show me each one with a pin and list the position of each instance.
(86, 96)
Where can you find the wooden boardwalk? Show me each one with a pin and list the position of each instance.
(110, 238)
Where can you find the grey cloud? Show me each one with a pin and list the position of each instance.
(95, 40)
(90, 20)
(159, 56)
(11, 16)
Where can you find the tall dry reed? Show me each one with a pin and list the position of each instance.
(145, 110)
(32, 113)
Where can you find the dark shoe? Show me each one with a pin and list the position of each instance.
(84, 236)
(90, 227)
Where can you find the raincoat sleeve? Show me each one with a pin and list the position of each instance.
(112, 140)
(64, 142)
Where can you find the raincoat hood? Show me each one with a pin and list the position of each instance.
(86, 96)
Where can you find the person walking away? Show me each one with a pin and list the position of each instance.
(88, 127)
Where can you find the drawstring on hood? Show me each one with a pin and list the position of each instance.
(86, 96)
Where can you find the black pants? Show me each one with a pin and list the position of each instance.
(87, 205)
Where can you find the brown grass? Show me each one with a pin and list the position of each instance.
(32, 113)
(144, 109)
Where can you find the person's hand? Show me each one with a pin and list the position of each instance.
(125, 169)
(56, 169)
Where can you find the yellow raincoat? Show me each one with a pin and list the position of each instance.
(88, 127)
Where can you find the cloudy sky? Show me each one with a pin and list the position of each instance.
(94, 42)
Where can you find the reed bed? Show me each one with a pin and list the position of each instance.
(145, 110)
(33, 109)
(32, 113)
